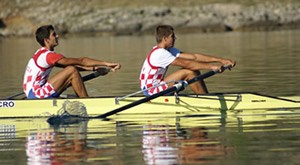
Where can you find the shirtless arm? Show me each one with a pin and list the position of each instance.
(85, 63)
(205, 58)
(194, 65)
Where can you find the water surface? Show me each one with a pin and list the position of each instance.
(215, 139)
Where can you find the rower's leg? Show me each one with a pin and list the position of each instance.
(67, 76)
(198, 87)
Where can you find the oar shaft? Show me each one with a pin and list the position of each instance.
(146, 99)
(176, 87)
(132, 94)
(208, 74)
(15, 95)
(203, 76)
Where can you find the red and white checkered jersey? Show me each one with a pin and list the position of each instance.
(38, 70)
(155, 67)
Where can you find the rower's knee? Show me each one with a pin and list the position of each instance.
(196, 73)
(71, 69)
(191, 74)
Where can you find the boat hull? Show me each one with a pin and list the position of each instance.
(164, 104)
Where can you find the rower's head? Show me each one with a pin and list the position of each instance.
(46, 36)
(165, 33)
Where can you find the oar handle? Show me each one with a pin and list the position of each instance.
(97, 73)
(228, 66)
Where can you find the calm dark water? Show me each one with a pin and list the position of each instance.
(267, 62)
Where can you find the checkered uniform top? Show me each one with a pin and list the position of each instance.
(37, 72)
(155, 67)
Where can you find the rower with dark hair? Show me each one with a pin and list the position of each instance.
(164, 54)
(36, 84)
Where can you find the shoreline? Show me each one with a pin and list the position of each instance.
(71, 19)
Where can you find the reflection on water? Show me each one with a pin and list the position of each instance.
(64, 144)
(234, 138)
(267, 62)
(163, 144)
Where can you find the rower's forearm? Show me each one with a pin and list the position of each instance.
(93, 62)
(204, 66)
(84, 68)
(206, 58)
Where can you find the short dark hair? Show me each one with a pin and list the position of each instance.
(163, 31)
(42, 33)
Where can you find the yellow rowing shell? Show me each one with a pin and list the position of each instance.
(165, 104)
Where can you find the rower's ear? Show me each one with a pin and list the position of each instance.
(46, 40)
(164, 38)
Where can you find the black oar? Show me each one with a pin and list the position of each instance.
(15, 95)
(98, 72)
(176, 87)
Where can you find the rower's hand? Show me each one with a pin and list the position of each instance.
(229, 62)
(114, 66)
(221, 68)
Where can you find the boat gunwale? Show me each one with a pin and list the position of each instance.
(200, 96)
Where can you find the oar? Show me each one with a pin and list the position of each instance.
(176, 87)
(97, 73)
(15, 95)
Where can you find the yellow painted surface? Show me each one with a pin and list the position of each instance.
(164, 104)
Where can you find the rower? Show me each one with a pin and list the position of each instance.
(164, 54)
(36, 84)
